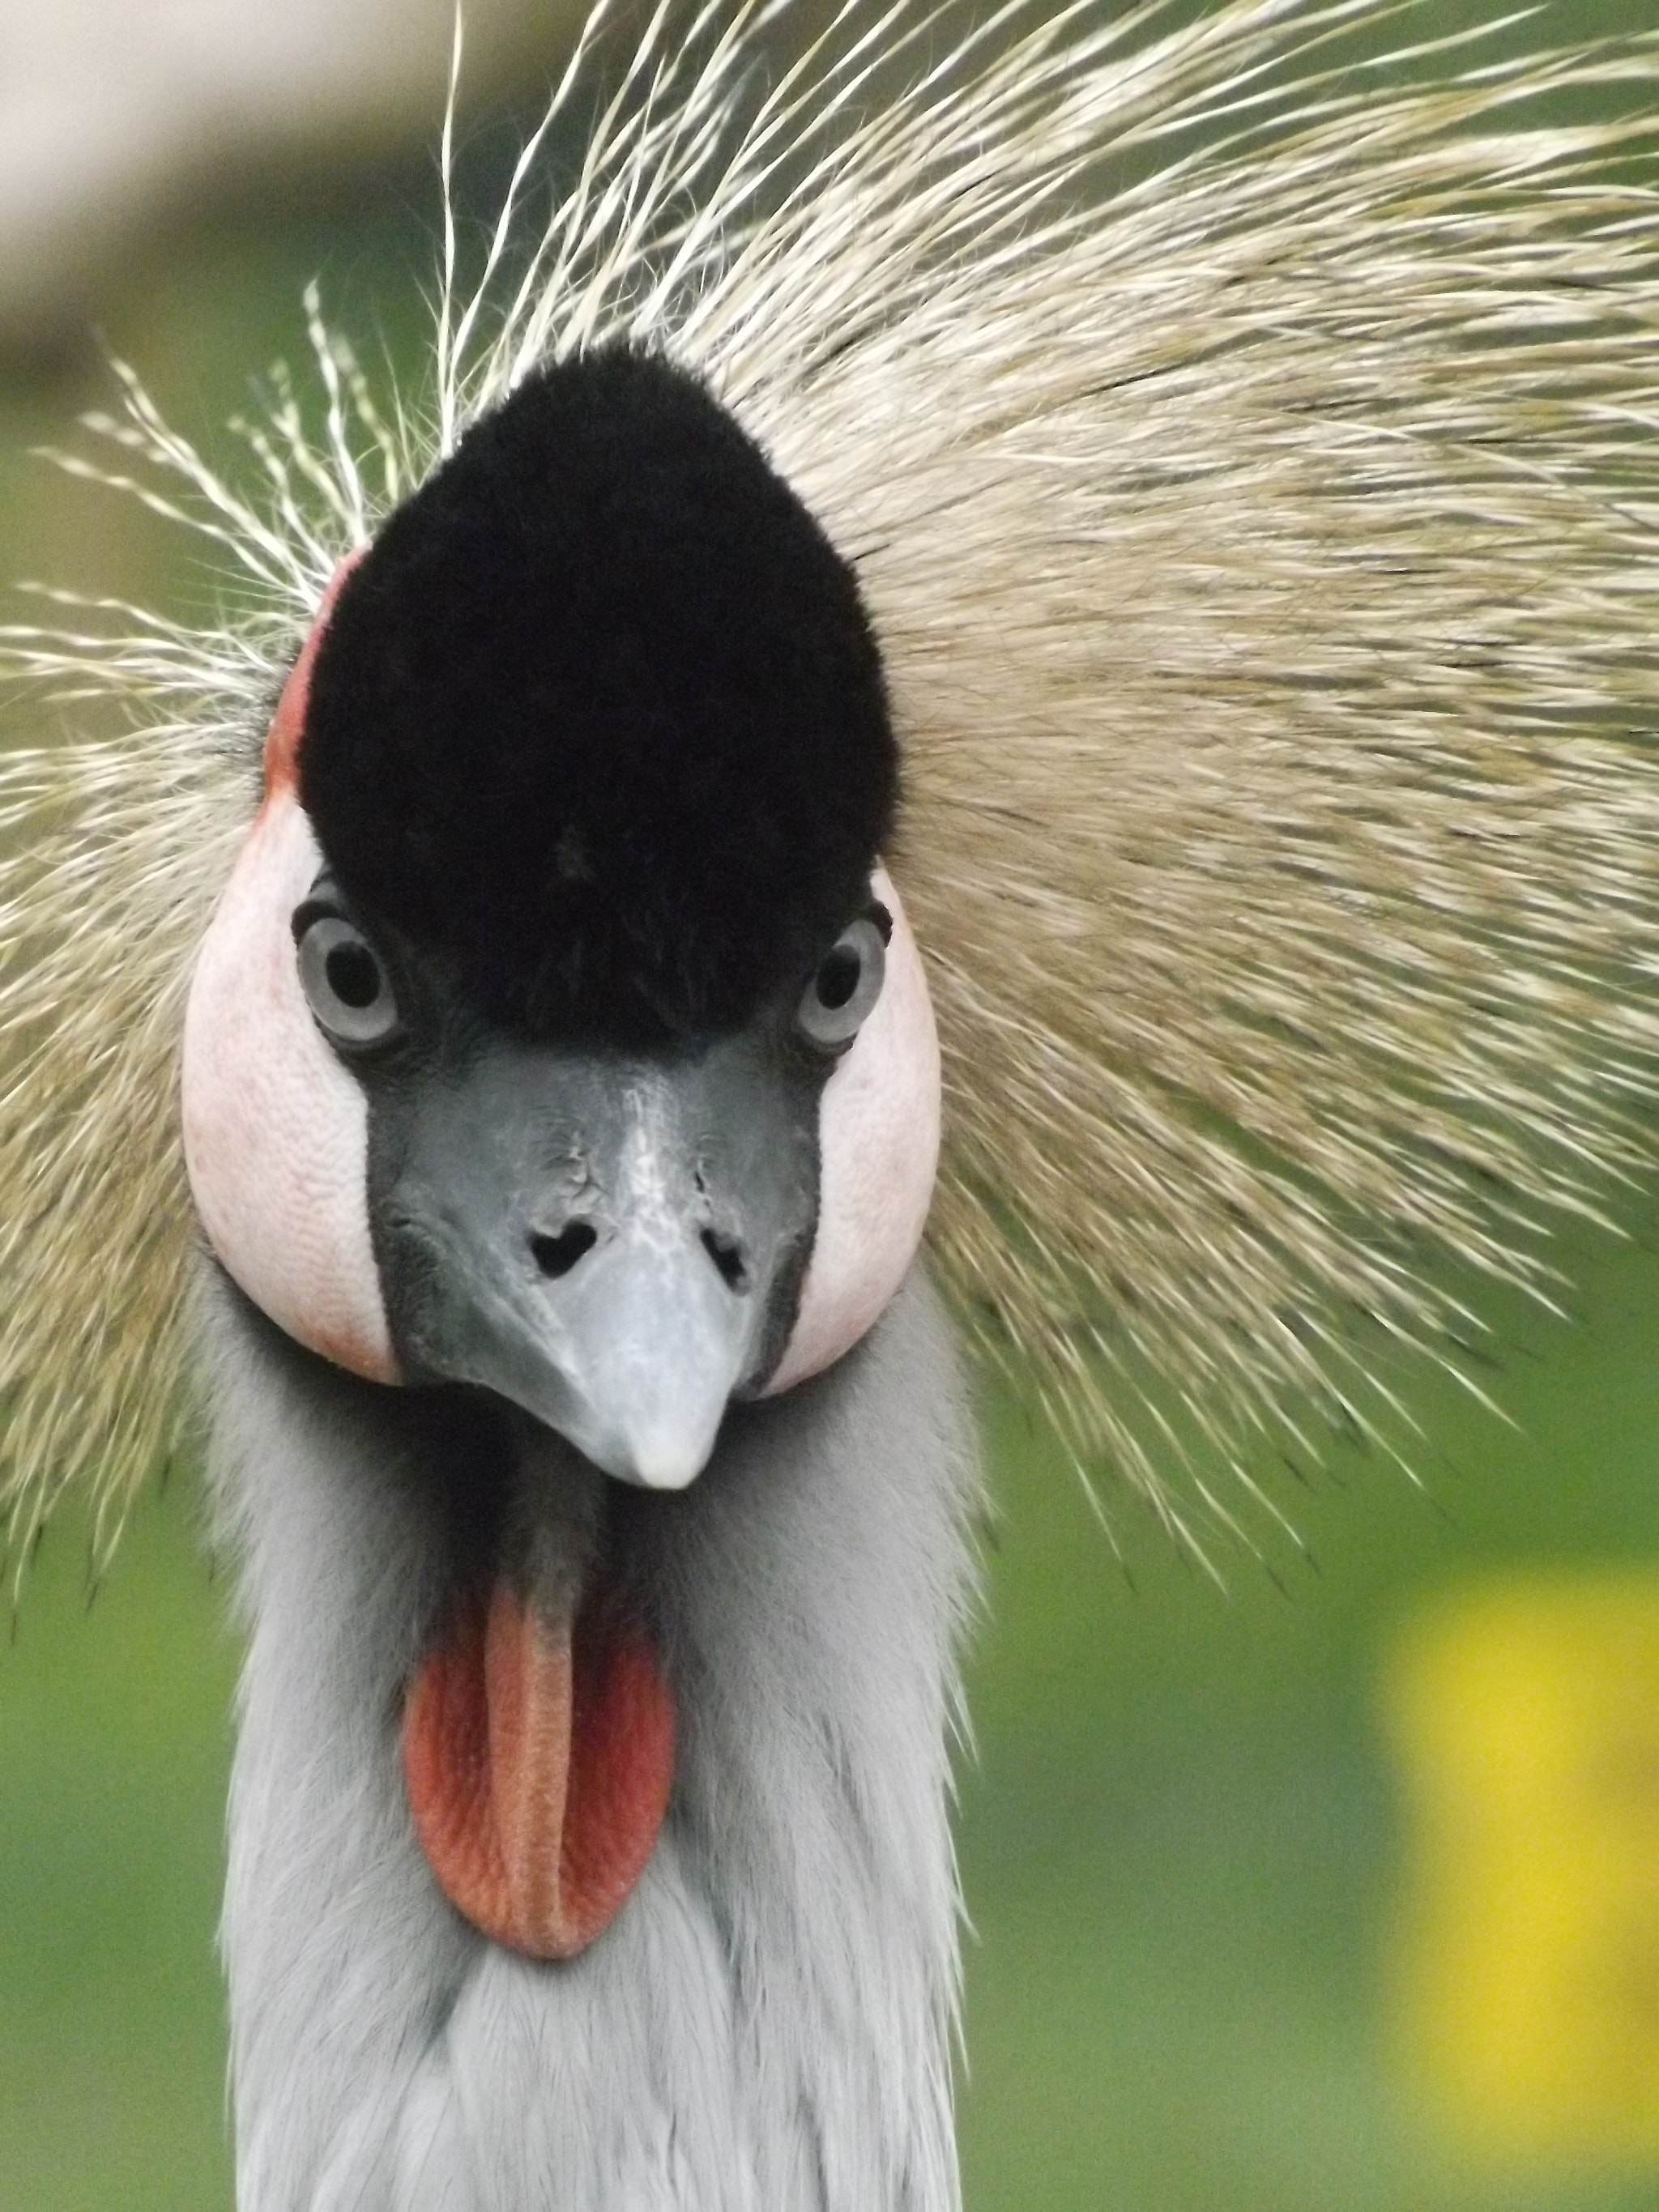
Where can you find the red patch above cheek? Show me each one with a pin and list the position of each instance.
(282, 755)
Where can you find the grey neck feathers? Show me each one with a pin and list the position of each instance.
(767, 2025)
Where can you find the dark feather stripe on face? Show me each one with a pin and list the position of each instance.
(600, 716)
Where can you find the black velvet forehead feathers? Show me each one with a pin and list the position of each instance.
(599, 715)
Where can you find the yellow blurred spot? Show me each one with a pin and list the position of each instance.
(1526, 1718)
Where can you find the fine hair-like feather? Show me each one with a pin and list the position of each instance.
(1245, 448)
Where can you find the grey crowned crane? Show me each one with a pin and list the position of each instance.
(1138, 542)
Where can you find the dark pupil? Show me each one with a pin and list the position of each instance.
(838, 978)
(354, 976)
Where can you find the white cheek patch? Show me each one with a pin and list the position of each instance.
(275, 1130)
(879, 1131)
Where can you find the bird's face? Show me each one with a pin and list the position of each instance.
(560, 1037)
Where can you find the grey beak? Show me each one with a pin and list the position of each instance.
(615, 1247)
(648, 1354)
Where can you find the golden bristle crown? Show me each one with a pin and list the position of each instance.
(1246, 449)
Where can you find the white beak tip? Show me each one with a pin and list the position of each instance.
(663, 1459)
(667, 1472)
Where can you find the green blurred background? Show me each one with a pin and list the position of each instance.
(1208, 1868)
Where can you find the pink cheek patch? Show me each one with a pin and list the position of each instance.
(879, 1131)
(275, 1130)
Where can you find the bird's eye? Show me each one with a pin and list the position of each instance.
(344, 981)
(847, 983)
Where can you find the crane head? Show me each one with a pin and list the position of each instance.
(560, 1034)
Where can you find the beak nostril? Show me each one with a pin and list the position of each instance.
(558, 1256)
(728, 1256)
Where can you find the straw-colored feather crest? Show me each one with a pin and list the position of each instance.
(1247, 453)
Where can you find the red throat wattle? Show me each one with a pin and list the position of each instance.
(538, 1755)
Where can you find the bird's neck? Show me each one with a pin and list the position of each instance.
(765, 2027)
